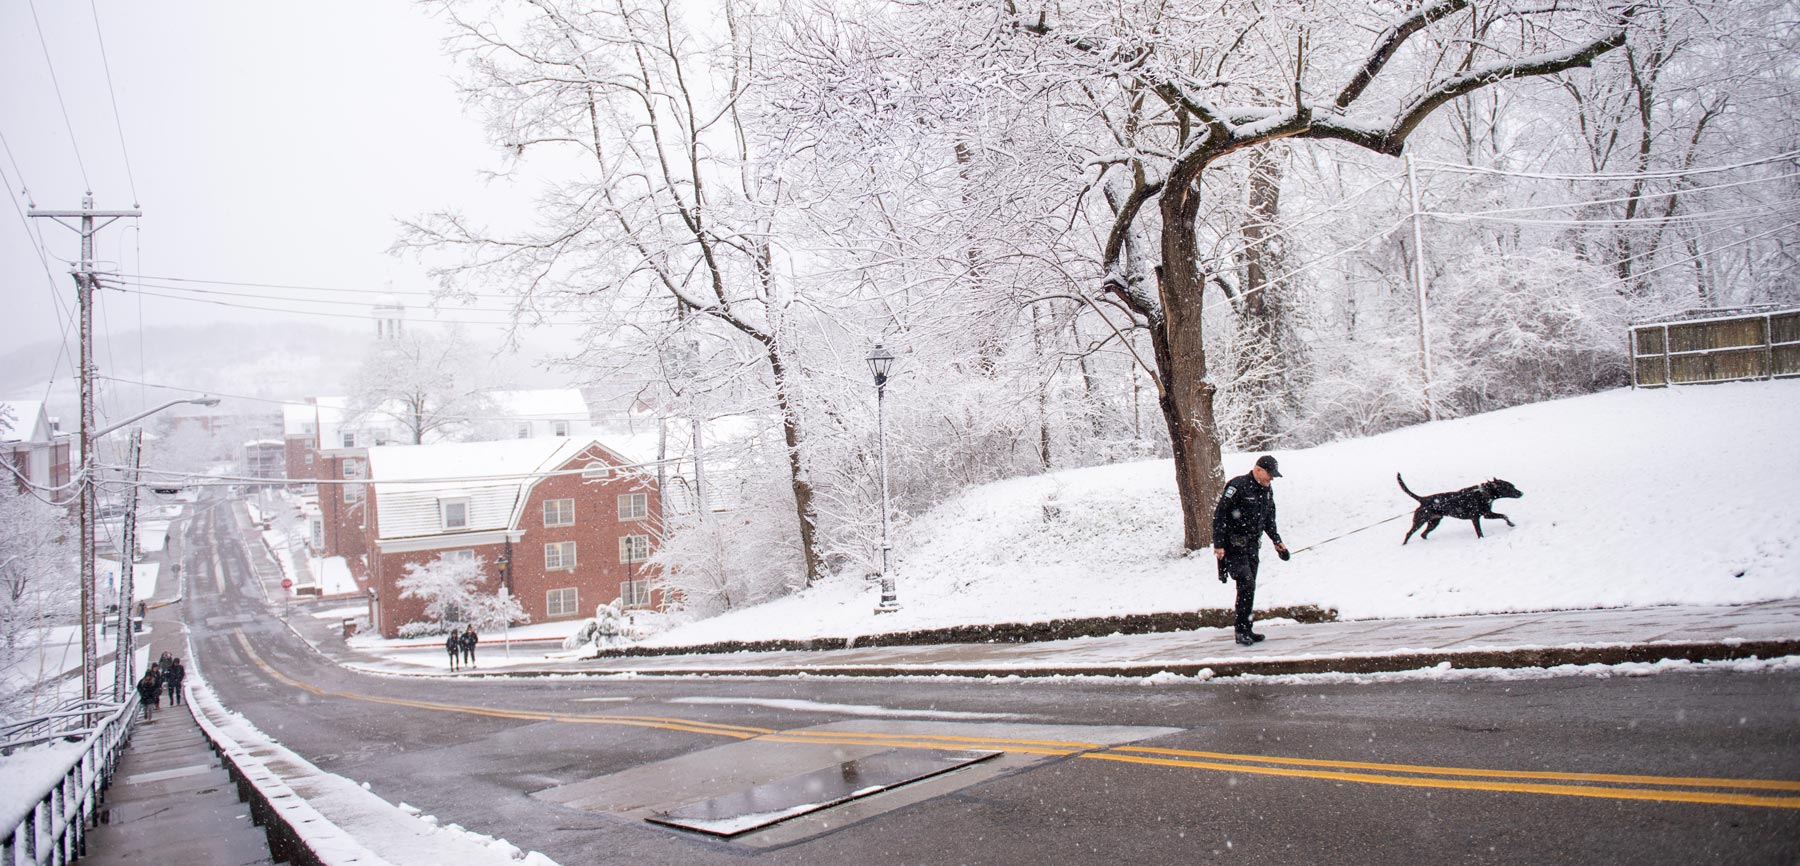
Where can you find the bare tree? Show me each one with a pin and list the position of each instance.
(668, 222)
(424, 382)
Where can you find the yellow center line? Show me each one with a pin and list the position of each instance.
(1178, 758)
(1684, 781)
(1457, 784)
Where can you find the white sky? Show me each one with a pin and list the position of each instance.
(270, 143)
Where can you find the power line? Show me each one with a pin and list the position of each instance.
(1616, 200)
(1663, 175)
(364, 304)
(104, 64)
(302, 403)
(305, 288)
(59, 97)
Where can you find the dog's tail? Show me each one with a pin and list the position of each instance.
(1403, 487)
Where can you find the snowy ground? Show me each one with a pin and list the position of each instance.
(1632, 498)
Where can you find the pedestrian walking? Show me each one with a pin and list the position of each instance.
(453, 646)
(162, 663)
(148, 689)
(1245, 513)
(172, 680)
(469, 640)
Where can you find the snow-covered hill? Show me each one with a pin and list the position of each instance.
(1631, 498)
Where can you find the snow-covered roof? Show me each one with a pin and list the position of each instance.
(411, 481)
(25, 422)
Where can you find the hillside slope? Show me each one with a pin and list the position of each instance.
(1632, 498)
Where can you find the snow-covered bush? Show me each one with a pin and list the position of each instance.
(453, 593)
(423, 628)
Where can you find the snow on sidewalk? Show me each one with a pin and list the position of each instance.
(339, 820)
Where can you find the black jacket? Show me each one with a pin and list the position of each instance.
(1246, 511)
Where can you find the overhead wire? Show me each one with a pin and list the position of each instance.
(107, 66)
(57, 85)
(304, 404)
(1433, 165)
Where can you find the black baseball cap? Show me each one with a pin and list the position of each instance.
(1267, 463)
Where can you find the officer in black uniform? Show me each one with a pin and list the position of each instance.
(1246, 511)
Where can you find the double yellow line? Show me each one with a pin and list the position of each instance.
(1669, 789)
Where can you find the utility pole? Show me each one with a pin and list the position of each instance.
(1412, 186)
(85, 283)
(122, 656)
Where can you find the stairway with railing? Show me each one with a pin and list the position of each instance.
(62, 792)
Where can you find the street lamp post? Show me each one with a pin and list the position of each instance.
(505, 564)
(90, 650)
(880, 362)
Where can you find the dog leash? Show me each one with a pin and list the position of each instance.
(1351, 532)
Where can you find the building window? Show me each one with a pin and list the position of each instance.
(525, 430)
(559, 556)
(353, 493)
(635, 593)
(455, 513)
(634, 548)
(559, 428)
(596, 471)
(380, 437)
(559, 512)
(467, 556)
(561, 602)
(349, 439)
(634, 506)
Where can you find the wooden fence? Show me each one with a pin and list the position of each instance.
(1724, 348)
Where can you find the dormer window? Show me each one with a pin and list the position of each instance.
(455, 513)
(525, 430)
(559, 428)
(349, 439)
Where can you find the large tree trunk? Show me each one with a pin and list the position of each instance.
(1187, 398)
(804, 511)
(1264, 368)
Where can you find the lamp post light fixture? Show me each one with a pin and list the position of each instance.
(880, 362)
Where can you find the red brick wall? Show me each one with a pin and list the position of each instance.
(302, 461)
(346, 533)
(388, 569)
(598, 574)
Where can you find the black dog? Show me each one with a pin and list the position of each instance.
(1469, 503)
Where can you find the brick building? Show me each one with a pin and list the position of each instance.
(569, 518)
(32, 446)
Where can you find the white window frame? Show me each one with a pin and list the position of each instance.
(596, 471)
(635, 593)
(458, 555)
(444, 506)
(564, 512)
(556, 605)
(634, 548)
(559, 428)
(349, 438)
(559, 556)
(634, 506)
(524, 430)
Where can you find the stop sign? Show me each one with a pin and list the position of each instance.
(287, 583)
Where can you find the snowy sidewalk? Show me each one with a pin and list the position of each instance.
(1513, 640)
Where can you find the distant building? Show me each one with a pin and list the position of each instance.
(32, 446)
(565, 523)
(266, 459)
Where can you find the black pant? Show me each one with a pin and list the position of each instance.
(1240, 565)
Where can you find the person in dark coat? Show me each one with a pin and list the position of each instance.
(171, 678)
(469, 640)
(1246, 511)
(148, 689)
(453, 646)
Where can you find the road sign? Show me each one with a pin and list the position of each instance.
(287, 583)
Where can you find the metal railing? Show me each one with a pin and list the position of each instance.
(52, 829)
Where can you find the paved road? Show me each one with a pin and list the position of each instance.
(1577, 770)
